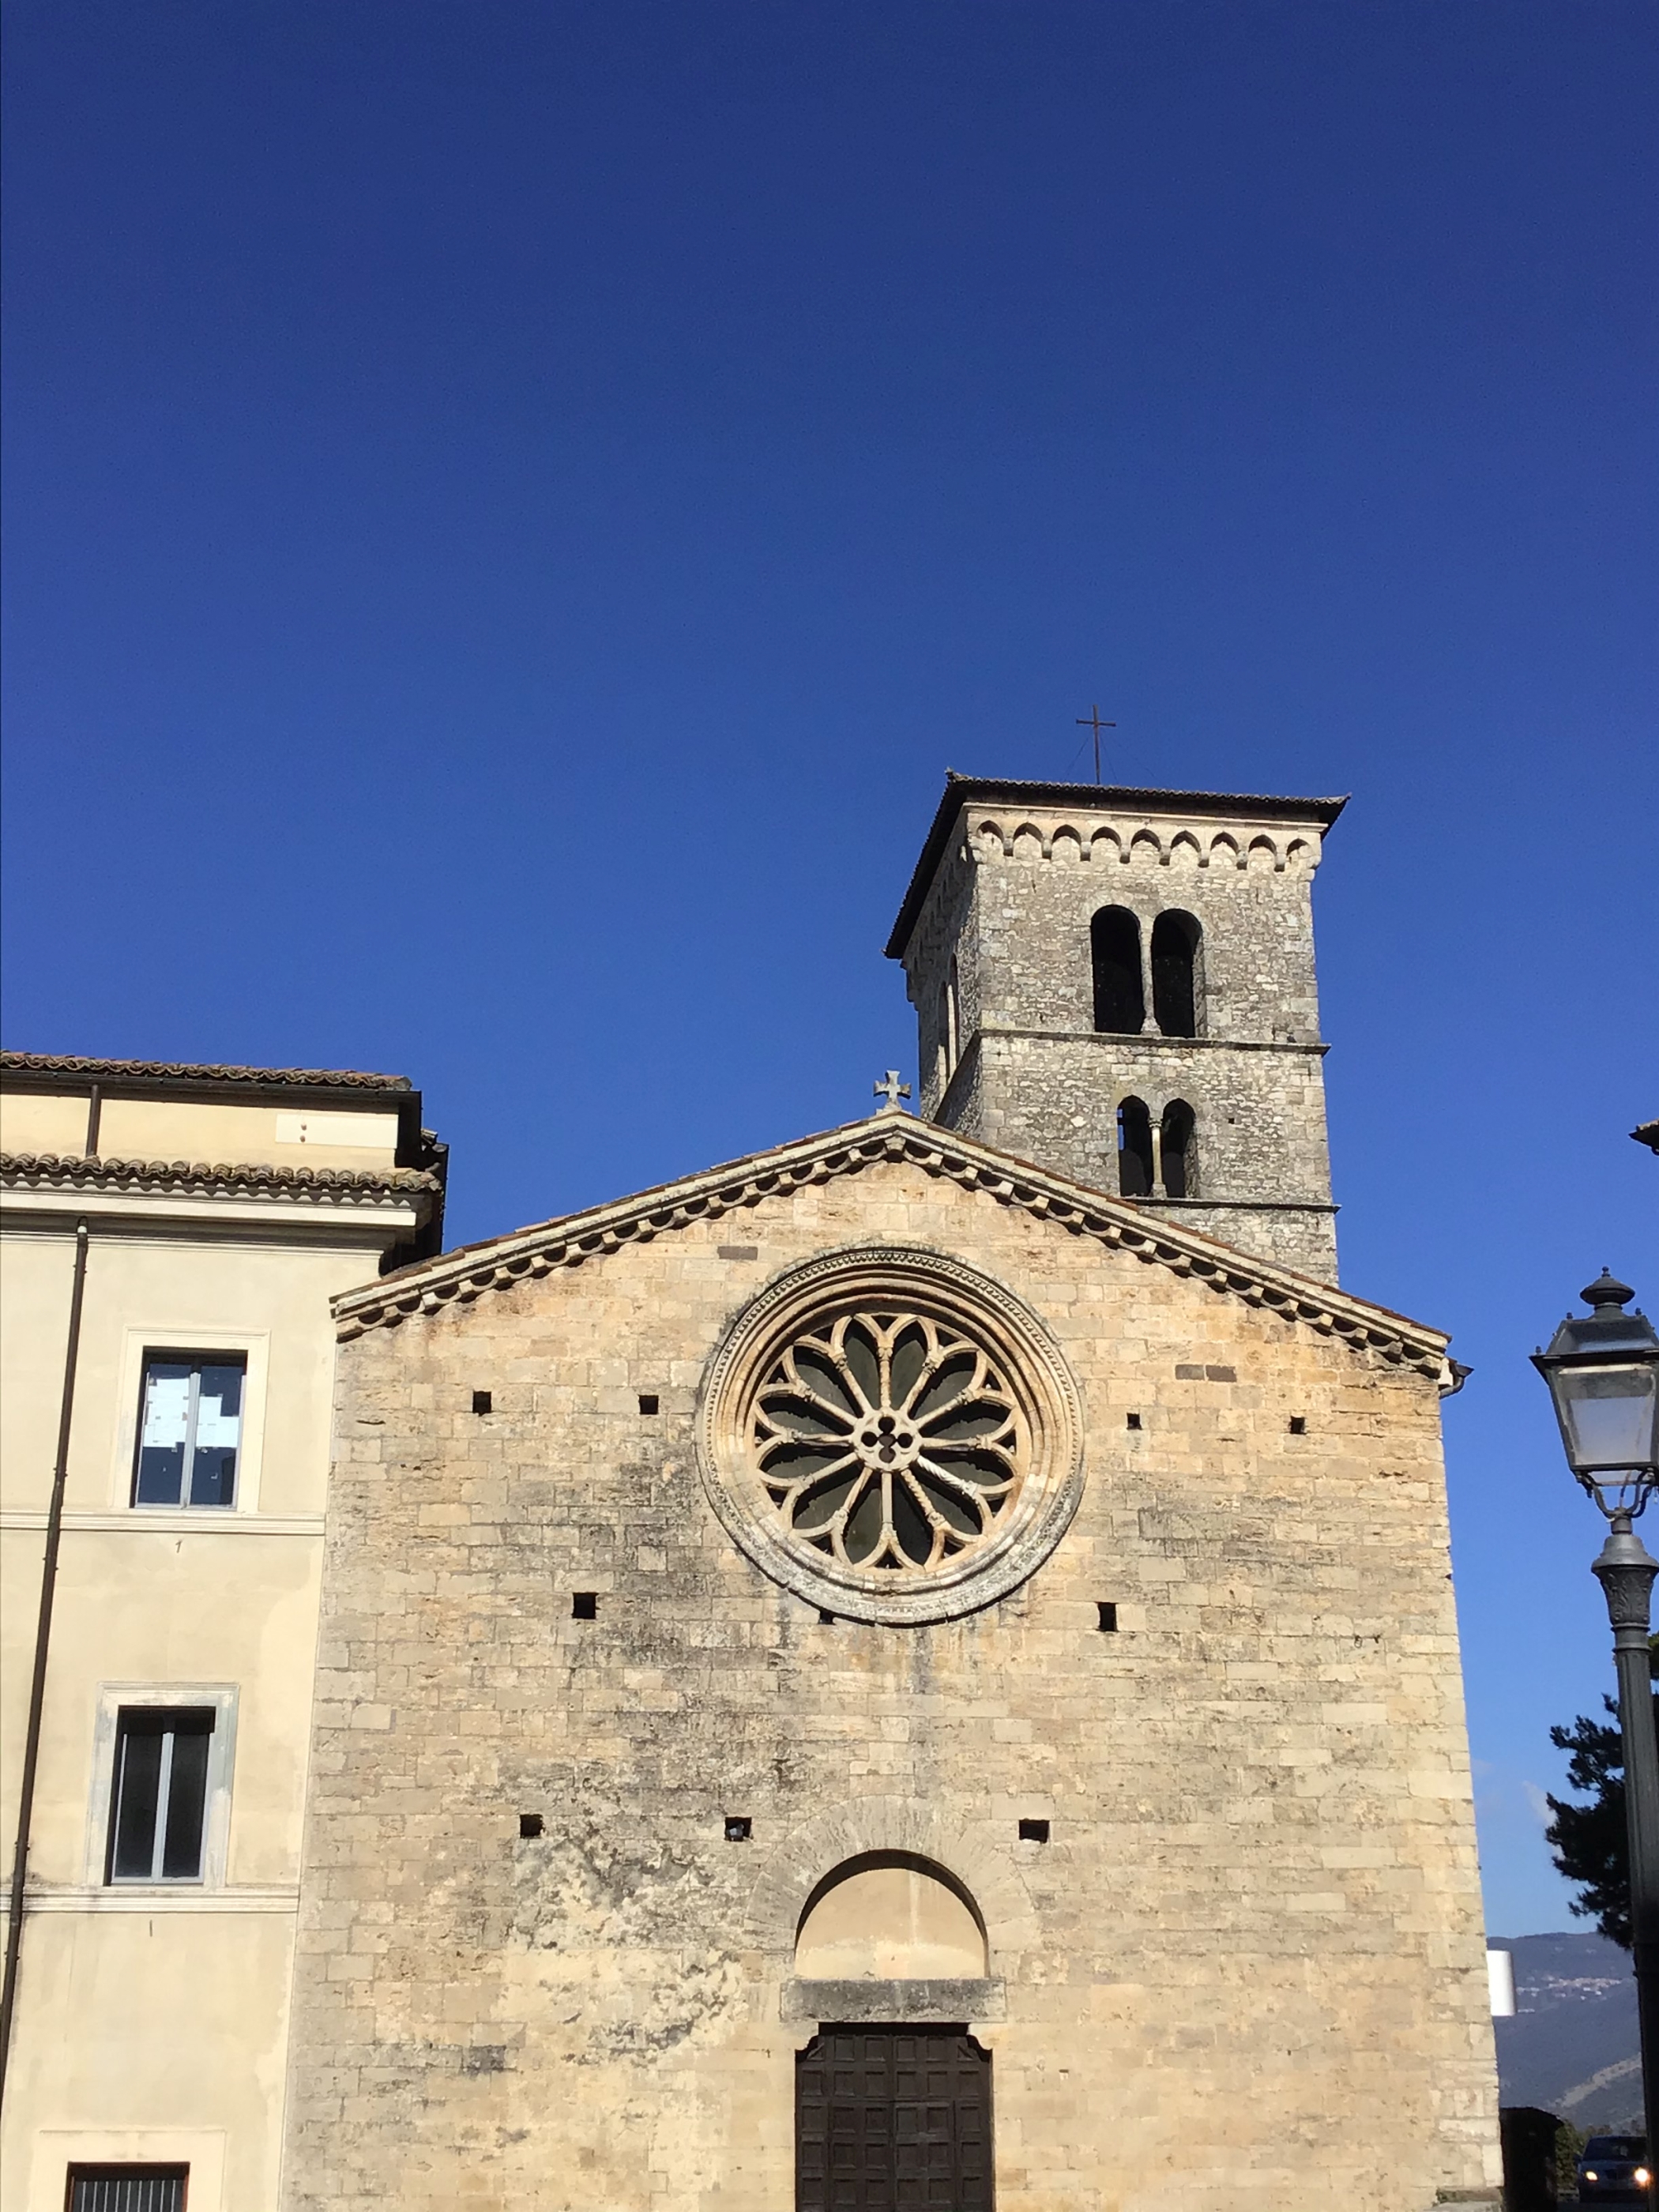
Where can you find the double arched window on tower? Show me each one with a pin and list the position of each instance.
(1156, 1158)
(1119, 979)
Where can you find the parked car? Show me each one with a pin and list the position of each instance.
(1614, 2170)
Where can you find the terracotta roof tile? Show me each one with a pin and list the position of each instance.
(335, 1079)
(55, 1169)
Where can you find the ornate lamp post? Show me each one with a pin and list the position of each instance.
(1603, 1374)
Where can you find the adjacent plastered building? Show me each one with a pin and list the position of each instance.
(170, 1238)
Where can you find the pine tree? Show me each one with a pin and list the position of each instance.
(1590, 1843)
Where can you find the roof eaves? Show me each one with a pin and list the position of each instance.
(970, 790)
(81, 1069)
(59, 1170)
(599, 1231)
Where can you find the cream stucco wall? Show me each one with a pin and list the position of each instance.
(42, 1122)
(261, 1132)
(152, 2021)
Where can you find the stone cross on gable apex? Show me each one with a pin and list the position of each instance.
(890, 1091)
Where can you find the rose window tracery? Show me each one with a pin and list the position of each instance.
(891, 1434)
(887, 1440)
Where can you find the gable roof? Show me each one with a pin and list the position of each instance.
(962, 791)
(890, 1135)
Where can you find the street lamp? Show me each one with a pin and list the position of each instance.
(1603, 1374)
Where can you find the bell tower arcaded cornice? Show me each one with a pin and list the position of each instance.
(1121, 983)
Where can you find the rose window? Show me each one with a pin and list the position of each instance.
(887, 1440)
(892, 1434)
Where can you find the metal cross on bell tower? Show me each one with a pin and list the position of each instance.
(1091, 721)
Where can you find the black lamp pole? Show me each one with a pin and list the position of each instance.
(1603, 1373)
(1625, 1570)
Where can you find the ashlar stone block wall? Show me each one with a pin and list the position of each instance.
(1245, 1974)
(1008, 915)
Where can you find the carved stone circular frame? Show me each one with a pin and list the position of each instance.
(959, 1296)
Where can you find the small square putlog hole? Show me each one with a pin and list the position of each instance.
(1107, 1621)
(738, 1827)
(649, 1402)
(482, 1402)
(530, 1825)
(825, 1620)
(1298, 1424)
(585, 1605)
(1132, 1422)
(1034, 1831)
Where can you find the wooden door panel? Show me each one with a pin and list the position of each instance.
(893, 2119)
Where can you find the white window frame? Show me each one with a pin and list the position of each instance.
(222, 1697)
(178, 1337)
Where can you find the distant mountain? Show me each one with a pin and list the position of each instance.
(1572, 2047)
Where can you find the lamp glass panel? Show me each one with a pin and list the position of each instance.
(1608, 1416)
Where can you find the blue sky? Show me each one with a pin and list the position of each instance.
(513, 509)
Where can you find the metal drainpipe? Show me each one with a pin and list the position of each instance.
(42, 1641)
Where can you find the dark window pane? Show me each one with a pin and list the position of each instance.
(1175, 993)
(1134, 1152)
(181, 1852)
(1114, 946)
(127, 2188)
(218, 1433)
(138, 1784)
(161, 1782)
(213, 1476)
(221, 1396)
(191, 1430)
(160, 1476)
(1177, 1145)
(163, 1434)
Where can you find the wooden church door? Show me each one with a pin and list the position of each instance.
(893, 2119)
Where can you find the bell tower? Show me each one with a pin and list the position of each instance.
(1120, 985)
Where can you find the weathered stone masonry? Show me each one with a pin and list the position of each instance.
(1245, 1971)
(1000, 911)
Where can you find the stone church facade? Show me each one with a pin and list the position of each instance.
(891, 1673)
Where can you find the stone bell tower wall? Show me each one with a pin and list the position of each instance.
(995, 938)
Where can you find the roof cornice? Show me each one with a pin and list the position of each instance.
(200, 1178)
(962, 791)
(40, 1071)
(429, 1285)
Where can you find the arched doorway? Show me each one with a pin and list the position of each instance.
(892, 2113)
